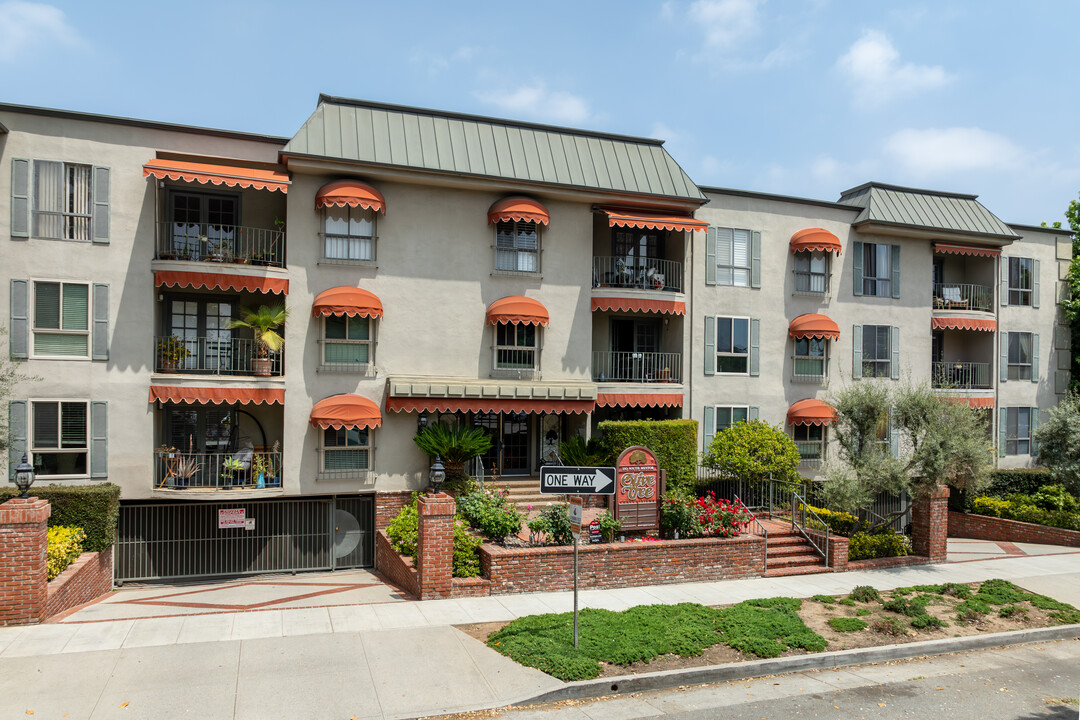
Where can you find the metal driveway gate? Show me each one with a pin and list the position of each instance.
(170, 541)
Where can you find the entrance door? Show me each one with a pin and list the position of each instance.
(203, 326)
(203, 226)
(509, 434)
(633, 344)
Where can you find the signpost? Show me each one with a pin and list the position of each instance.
(576, 482)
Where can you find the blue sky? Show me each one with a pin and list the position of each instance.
(799, 98)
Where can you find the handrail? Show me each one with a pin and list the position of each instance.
(799, 512)
(764, 532)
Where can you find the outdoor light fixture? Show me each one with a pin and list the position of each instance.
(437, 474)
(421, 422)
(24, 476)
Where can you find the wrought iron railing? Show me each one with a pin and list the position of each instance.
(963, 296)
(217, 471)
(516, 362)
(220, 243)
(615, 366)
(810, 526)
(640, 273)
(764, 496)
(211, 356)
(961, 375)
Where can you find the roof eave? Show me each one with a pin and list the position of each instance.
(923, 231)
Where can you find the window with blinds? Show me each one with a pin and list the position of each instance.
(59, 438)
(346, 342)
(345, 450)
(517, 246)
(733, 258)
(63, 200)
(349, 234)
(61, 319)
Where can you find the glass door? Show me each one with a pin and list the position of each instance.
(509, 433)
(203, 328)
(203, 226)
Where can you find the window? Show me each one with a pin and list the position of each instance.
(1018, 431)
(203, 227)
(733, 257)
(732, 345)
(810, 358)
(515, 348)
(346, 451)
(876, 270)
(876, 351)
(1021, 281)
(1019, 356)
(349, 234)
(812, 272)
(61, 319)
(810, 440)
(63, 200)
(517, 246)
(728, 416)
(346, 342)
(59, 438)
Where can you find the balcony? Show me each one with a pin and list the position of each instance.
(636, 367)
(241, 470)
(637, 273)
(963, 296)
(211, 356)
(208, 242)
(961, 376)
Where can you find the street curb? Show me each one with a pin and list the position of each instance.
(625, 684)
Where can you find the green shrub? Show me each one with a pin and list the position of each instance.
(1024, 509)
(1066, 618)
(94, 508)
(889, 544)
(1009, 611)
(846, 624)
(754, 450)
(862, 612)
(889, 626)
(466, 557)
(1054, 497)
(576, 452)
(609, 526)
(927, 621)
(673, 441)
(829, 599)
(841, 523)
(65, 544)
(553, 523)
(404, 531)
(693, 517)
(903, 606)
(864, 593)
(1019, 480)
(847, 601)
(487, 511)
(971, 610)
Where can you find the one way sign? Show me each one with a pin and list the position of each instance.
(557, 480)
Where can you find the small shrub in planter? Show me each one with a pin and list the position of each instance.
(553, 524)
(404, 531)
(863, 546)
(65, 544)
(609, 526)
(487, 511)
(705, 516)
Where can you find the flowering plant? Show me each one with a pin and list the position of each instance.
(489, 512)
(707, 516)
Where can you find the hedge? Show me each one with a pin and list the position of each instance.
(673, 441)
(94, 508)
(1002, 483)
(1010, 510)
(863, 546)
(64, 546)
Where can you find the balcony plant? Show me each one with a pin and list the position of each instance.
(229, 468)
(171, 351)
(263, 324)
(455, 444)
(186, 468)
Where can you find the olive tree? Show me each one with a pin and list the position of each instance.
(754, 450)
(1059, 443)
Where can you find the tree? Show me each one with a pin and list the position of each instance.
(1059, 443)
(754, 451)
(940, 441)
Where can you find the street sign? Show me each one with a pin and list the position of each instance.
(555, 480)
(574, 510)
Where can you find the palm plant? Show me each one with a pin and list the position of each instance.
(263, 324)
(455, 444)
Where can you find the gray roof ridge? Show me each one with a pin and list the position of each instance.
(902, 188)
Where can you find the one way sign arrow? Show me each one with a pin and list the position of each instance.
(556, 480)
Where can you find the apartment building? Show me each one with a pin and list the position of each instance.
(526, 279)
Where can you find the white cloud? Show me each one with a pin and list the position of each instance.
(726, 22)
(872, 65)
(537, 101)
(26, 25)
(959, 149)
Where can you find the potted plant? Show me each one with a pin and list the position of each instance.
(186, 469)
(171, 351)
(273, 479)
(455, 444)
(230, 467)
(260, 469)
(263, 324)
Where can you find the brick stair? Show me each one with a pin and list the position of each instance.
(523, 493)
(789, 553)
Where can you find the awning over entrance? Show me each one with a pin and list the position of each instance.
(618, 217)
(230, 176)
(428, 394)
(648, 305)
(813, 326)
(976, 250)
(517, 309)
(488, 406)
(810, 412)
(215, 395)
(638, 400)
(815, 239)
(220, 281)
(963, 323)
(521, 209)
(345, 411)
(350, 301)
(351, 193)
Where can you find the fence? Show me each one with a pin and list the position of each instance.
(218, 471)
(963, 296)
(214, 356)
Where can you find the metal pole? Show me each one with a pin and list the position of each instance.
(575, 592)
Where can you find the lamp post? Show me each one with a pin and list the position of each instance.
(24, 477)
(437, 473)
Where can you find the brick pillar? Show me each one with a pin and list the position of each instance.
(435, 545)
(24, 583)
(930, 524)
(838, 552)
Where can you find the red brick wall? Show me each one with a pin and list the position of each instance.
(471, 587)
(86, 579)
(23, 573)
(388, 505)
(930, 525)
(983, 527)
(435, 545)
(397, 569)
(838, 552)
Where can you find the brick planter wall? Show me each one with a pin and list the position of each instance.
(398, 569)
(86, 579)
(388, 505)
(23, 573)
(838, 552)
(984, 527)
(930, 525)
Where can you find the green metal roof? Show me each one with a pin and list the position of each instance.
(420, 139)
(924, 210)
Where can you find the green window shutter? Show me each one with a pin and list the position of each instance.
(1034, 415)
(753, 413)
(99, 223)
(710, 345)
(710, 257)
(1034, 283)
(755, 259)
(19, 339)
(856, 352)
(100, 340)
(894, 270)
(16, 435)
(1003, 356)
(1003, 424)
(1034, 358)
(1003, 288)
(755, 347)
(708, 425)
(20, 198)
(857, 275)
(99, 439)
(894, 364)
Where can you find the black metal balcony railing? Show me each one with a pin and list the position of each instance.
(207, 356)
(961, 375)
(639, 273)
(963, 296)
(217, 471)
(220, 243)
(614, 366)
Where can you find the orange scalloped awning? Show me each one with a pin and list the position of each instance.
(350, 301)
(345, 411)
(644, 219)
(351, 193)
(810, 412)
(814, 326)
(517, 309)
(976, 250)
(977, 403)
(521, 209)
(638, 400)
(815, 239)
(670, 307)
(227, 175)
(963, 323)
(220, 281)
(524, 405)
(216, 395)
